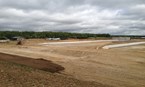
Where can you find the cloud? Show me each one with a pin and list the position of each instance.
(84, 16)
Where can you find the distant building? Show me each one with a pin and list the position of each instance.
(121, 38)
(53, 39)
(4, 40)
(17, 38)
(142, 37)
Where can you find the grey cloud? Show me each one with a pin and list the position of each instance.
(84, 16)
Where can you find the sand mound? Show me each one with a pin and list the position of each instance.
(34, 63)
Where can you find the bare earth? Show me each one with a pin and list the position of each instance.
(118, 67)
(16, 73)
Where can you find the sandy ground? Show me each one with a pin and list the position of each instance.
(119, 67)
(15, 75)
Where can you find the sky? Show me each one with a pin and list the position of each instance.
(117, 17)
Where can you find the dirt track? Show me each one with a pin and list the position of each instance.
(119, 67)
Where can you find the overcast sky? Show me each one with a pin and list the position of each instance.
(82, 16)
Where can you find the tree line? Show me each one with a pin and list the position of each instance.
(62, 35)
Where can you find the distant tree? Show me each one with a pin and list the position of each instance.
(62, 35)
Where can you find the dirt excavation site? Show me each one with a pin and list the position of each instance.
(84, 61)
